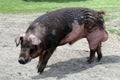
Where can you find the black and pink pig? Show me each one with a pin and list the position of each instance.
(60, 27)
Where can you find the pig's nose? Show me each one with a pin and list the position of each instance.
(21, 60)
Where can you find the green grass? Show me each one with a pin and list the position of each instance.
(32, 6)
(115, 31)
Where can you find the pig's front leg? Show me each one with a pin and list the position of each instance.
(41, 58)
(44, 60)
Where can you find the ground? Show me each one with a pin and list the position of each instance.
(67, 62)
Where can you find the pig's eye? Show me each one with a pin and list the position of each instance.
(33, 49)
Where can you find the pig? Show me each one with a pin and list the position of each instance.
(59, 27)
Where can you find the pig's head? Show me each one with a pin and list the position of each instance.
(29, 47)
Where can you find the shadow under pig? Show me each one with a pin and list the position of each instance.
(62, 69)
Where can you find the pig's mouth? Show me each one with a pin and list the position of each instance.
(23, 60)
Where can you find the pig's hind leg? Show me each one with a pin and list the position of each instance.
(99, 52)
(94, 40)
(92, 53)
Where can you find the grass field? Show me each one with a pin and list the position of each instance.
(33, 6)
(114, 31)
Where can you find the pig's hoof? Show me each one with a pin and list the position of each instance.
(38, 66)
(90, 61)
(41, 69)
(99, 58)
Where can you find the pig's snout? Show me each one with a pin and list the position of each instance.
(22, 60)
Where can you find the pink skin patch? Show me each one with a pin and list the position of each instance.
(76, 34)
(96, 37)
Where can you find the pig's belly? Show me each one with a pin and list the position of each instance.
(76, 34)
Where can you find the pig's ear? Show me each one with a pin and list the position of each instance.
(19, 39)
(34, 40)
